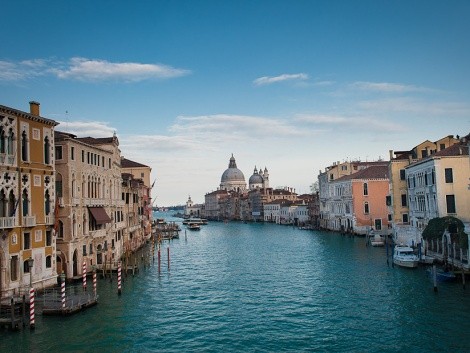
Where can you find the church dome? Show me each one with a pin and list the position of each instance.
(233, 178)
(255, 178)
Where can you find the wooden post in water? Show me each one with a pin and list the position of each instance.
(23, 311)
(168, 252)
(463, 277)
(159, 257)
(386, 248)
(110, 269)
(12, 311)
(434, 275)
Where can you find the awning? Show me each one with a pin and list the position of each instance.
(100, 215)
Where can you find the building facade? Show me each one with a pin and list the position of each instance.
(27, 200)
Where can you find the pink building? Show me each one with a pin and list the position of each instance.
(358, 201)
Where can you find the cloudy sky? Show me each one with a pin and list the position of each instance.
(287, 85)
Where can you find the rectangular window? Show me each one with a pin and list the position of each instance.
(84, 250)
(88, 157)
(449, 175)
(58, 152)
(141, 175)
(102, 161)
(48, 238)
(388, 200)
(389, 217)
(26, 241)
(83, 156)
(72, 153)
(378, 224)
(404, 217)
(424, 153)
(48, 261)
(109, 163)
(403, 200)
(14, 268)
(366, 190)
(366, 208)
(402, 174)
(450, 201)
(442, 146)
(426, 179)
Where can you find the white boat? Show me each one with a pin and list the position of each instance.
(376, 239)
(199, 221)
(404, 256)
(194, 226)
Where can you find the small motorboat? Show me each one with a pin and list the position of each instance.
(442, 275)
(404, 256)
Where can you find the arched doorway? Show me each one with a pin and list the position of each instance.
(99, 255)
(60, 265)
(75, 263)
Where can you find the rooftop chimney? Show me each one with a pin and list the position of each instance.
(391, 154)
(34, 108)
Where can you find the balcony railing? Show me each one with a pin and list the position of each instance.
(7, 222)
(97, 233)
(29, 221)
(119, 225)
(7, 159)
(75, 201)
(50, 219)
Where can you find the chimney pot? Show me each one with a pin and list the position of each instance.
(34, 108)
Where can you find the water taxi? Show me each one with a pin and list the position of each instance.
(404, 256)
(193, 226)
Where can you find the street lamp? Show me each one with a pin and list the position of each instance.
(30, 267)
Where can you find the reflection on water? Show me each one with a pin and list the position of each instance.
(264, 288)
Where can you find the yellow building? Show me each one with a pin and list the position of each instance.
(397, 200)
(27, 200)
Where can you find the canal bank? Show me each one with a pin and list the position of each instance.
(265, 288)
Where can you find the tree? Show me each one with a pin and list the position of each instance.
(437, 226)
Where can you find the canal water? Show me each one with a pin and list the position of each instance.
(235, 287)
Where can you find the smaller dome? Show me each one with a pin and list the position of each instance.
(256, 179)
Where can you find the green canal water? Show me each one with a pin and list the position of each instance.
(262, 288)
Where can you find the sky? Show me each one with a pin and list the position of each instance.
(288, 85)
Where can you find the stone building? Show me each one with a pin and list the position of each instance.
(27, 200)
(91, 217)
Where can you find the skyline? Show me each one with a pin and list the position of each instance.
(291, 86)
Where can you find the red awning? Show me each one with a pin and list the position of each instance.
(100, 215)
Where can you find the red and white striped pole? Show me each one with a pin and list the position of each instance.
(84, 274)
(119, 278)
(31, 308)
(62, 290)
(94, 282)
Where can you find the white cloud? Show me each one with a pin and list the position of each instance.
(87, 128)
(97, 70)
(84, 69)
(363, 123)
(267, 80)
(387, 87)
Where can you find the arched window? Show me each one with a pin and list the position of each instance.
(11, 137)
(366, 191)
(12, 204)
(24, 146)
(3, 204)
(25, 203)
(2, 141)
(47, 203)
(60, 230)
(49, 261)
(47, 151)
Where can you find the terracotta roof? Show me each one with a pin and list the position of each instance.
(126, 163)
(12, 111)
(454, 150)
(372, 172)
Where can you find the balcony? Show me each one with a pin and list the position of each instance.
(95, 202)
(119, 225)
(75, 201)
(50, 219)
(100, 233)
(29, 221)
(7, 222)
(7, 159)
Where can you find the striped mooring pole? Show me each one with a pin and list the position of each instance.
(119, 278)
(62, 291)
(94, 282)
(31, 308)
(84, 274)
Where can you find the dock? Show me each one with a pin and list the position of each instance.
(76, 299)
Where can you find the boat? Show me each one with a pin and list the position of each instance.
(442, 275)
(199, 221)
(404, 256)
(193, 226)
(376, 239)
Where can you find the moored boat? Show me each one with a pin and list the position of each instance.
(194, 226)
(404, 256)
(442, 275)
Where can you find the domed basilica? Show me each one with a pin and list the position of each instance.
(233, 179)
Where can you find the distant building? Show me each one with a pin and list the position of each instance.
(193, 210)
(232, 178)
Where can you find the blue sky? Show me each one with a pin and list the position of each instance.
(287, 85)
